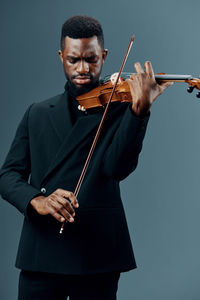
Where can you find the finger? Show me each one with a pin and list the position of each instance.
(138, 67)
(56, 215)
(149, 69)
(66, 214)
(165, 85)
(72, 199)
(130, 83)
(59, 207)
(69, 195)
(66, 204)
(132, 76)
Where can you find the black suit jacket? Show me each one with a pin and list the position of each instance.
(49, 153)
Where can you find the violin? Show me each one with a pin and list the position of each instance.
(99, 96)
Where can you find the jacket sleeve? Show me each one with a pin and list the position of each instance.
(121, 157)
(15, 172)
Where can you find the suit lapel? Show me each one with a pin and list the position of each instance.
(59, 116)
(70, 136)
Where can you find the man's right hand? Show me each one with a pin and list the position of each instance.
(57, 204)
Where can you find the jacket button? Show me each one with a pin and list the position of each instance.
(43, 190)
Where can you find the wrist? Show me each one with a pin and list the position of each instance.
(34, 202)
(140, 112)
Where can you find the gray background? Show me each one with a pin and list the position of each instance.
(163, 216)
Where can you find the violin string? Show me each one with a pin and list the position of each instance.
(125, 75)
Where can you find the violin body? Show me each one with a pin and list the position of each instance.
(100, 95)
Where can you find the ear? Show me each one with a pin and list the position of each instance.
(104, 54)
(61, 55)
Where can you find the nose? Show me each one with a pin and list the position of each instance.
(83, 67)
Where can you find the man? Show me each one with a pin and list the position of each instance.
(43, 166)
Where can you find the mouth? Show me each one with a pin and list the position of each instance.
(81, 80)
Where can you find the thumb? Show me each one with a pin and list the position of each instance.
(165, 85)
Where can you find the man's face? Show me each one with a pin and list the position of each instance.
(82, 61)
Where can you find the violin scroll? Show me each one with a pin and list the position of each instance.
(190, 89)
(194, 83)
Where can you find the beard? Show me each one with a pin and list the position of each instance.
(79, 90)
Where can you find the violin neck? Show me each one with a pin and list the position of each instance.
(172, 77)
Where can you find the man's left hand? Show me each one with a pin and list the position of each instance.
(144, 88)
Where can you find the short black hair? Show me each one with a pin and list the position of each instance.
(81, 26)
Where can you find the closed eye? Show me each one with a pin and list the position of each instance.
(92, 59)
(72, 60)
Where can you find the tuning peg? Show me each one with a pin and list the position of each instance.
(198, 95)
(190, 89)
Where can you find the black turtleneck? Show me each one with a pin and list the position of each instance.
(75, 113)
